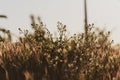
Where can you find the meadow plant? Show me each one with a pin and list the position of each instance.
(40, 56)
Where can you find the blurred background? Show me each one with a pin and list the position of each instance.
(103, 13)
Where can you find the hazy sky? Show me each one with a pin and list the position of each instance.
(103, 13)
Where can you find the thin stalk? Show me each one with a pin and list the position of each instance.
(86, 20)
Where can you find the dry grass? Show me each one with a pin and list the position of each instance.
(39, 56)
